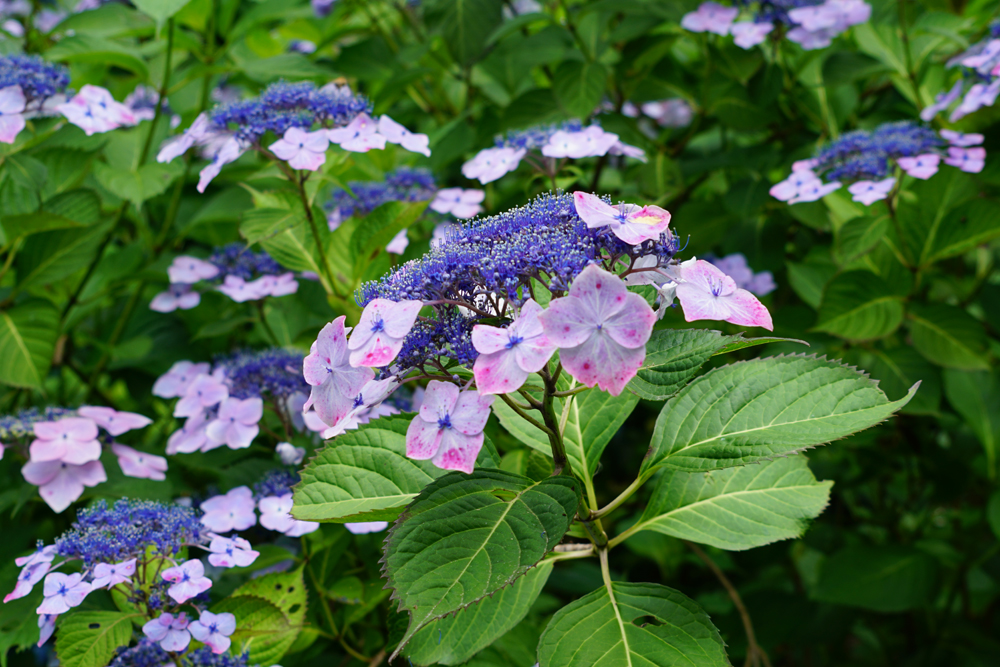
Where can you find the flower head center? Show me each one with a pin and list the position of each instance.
(444, 422)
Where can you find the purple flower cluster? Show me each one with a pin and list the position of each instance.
(239, 273)
(38, 80)
(275, 372)
(63, 449)
(362, 197)
(980, 82)
(866, 159)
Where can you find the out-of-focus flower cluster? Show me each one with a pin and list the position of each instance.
(866, 159)
(239, 273)
(810, 23)
(980, 82)
(63, 449)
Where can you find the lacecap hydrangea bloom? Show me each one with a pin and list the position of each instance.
(866, 161)
(239, 273)
(63, 449)
(979, 85)
(563, 140)
(306, 120)
(810, 23)
(235, 510)
(475, 301)
(223, 403)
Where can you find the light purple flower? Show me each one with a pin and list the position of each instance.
(237, 423)
(213, 630)
(448, 429)
(43, 554)
(591, 141)
(810, 40)
(176, 381)
(460, 203)
(140, 464)
(815, 17)
(674, 112)
(378, 338)
(280, 285)
(366, 527)
(920, 166)
(359, 136)
(62, 592)
(26, 580)
(185, 269)
(619, 148)
(601, 329)
(398, 244)
(631, 223)
(177, 146)
(70, 439)
(492, 163)
(971, 160)
(979, 95)
(302, 149)
(227, 151)
(12, 103)
(60, 483)
(710, 17)
(327, 369)
(241, 291)
(367, 405)
(869, 192)
(232, 511)
(112, 421)
(987, 55)
(107, 575)
(275, 514)
(204, 391)
(959, 139)
(235, 552)
(395, 133)
(94, 110)
(942, 101)
(791, 187)
(46, 626)
(508, 356)
(170, 631)
(747, 34)
(179, 296)
(289, 454)
(814, 191)
(706, 293)
(188, 579)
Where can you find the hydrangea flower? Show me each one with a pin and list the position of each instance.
(395, 133)
(508, 356)
(236, 424)
(448, 429)
(979, 85)
(169, 631)
(235, 552)
(28, 86)
(71, 440)
(190, 437)
(601, 329)
(333, 379)
(46, 627)
(360, 136)
(188, 580)
(29, 576)
(632, 223)
(185, 269)
(175, 382)
(178, 297)
(107, 575)
(232, 511)
(490, 164)
(710, 17)
(12, 104)
(737, 268)
(404, 184)
(366, 527)
(213, 630)
(920, 166)
(289, 454)
(95, 111)
(378, 338)
(113, 421)
(63, 592)
(140, 464)
(675, 112)
(706, 293)
(275, 514)
(204, 392)
(302, 149)
(869, 192)
(459, 202)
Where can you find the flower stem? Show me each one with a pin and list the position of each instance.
(324, 262)
(561, 464)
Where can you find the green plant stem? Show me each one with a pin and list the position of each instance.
(164, 85)
(93, 265)
(524, 415)
(755, 654)
(14, 247)
(324, 603)
(116, 333)
(622, 497)
(263, 322)
(561, 464)
(570, 555)
(324, 262)
(596, 532)
(910, 74)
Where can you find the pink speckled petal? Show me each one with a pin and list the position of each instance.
(471, 412)
(603, 362)
(439, 400)
(487, 339)
(632, 326)
(422, 439)
(457, 451)
(498, 372)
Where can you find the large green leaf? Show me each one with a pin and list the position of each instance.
(737, 508)
(673, 356)
(455, 639)
(378, 228)
(468, 536)
(160, 10)
(858, 236)
(759, 409)
(53, 255)
(285, 591)
(629, 625)
(264, 223)
(969, 225)
(260, 624)
(89, 639)
(976, 396)
(579, 86)
(859, 306)
(28, 334)
(926, 215)
(467, 25)
(140, 184)
(949, 337)
(85, 48)
(889, 579)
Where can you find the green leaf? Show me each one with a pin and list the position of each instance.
(53, 255)
(263, 223)
(28, 334)
(292, 65)
(858, 236)
(137, 186)
(969, 225)
(993, 513)
(899, 369)
(260, 626)
(82, 206)
(754, 410)
(286, 591)
(737, 508)
(455, 639)
(949, 337)
(632, 624)
(579, 86)
(365, 471)
(673, 356)
(468, 536)
(976, 396)
(859, 306)
(34, 223)
(160, 10)
(85, 48)
(926, 215)
(89, 639)
(467, 25)
(887, 579)
(377, 228)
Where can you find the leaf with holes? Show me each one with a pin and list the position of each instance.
(468, 536)
(261, 627)
(755, 410)
(455, 639)
(28, 334)
(737, 508)
(89, 639)
(632, 624)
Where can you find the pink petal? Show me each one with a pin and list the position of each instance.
(471, 412)
(439, 400)
(308, 160)
(603, 362)
(487, 339)
(10, 126)
(567, 323)
(422, 439)
(633, 325)
(458, 452)
(593, 211)
(498, 373)
(40, 472)
(12, 100)
(600, 292)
